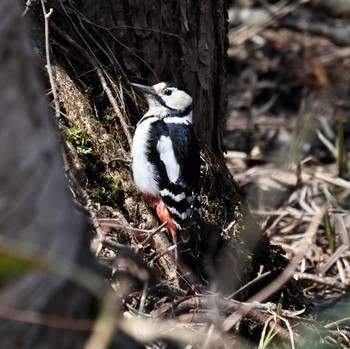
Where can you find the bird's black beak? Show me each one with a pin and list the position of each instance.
(147, 90)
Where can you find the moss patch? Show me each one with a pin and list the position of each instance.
(80, 140)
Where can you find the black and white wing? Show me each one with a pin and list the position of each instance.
(176, 157)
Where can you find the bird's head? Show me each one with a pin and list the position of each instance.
(168, 95)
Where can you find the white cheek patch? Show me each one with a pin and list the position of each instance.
(179, 100)
(166, 151)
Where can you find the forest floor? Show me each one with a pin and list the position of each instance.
(288, 142)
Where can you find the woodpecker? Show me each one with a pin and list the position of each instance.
(166, 162)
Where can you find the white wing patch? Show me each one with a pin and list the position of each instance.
(166, 151)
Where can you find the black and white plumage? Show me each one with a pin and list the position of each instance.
(166, 157)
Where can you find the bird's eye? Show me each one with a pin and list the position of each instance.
(168, 92)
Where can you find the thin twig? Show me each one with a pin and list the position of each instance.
(114, 223)
(119, 247)
(135, 311)
(125, 126)
(29, 5)
(162, 254)
(143, 298)
(258, 278)
(48, 60)
(323, 280)
(153, 232)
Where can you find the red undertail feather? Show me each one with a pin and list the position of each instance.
(162, 213)
(152, 200)
(164, 216)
